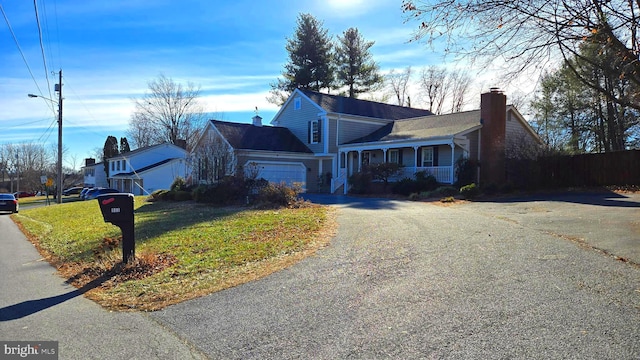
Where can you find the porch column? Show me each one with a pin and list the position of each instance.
(319, 167)
(415, 158)
(453, 156)
(384, 154)
(359, 160)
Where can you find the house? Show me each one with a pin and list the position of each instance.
(94, 175)
(320, 140)
(147, 169)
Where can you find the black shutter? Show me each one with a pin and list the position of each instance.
(309, 132)
(435, 156)
(319, 130)
(400, 156)
(419, 164)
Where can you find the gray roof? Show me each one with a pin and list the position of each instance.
(346, 105)
(424, 127)
(251, 137)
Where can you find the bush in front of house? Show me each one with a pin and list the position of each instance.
(178, 184)
(279, 194)
(360, 182)
(423, 182)
(466, 170)
(470, 191)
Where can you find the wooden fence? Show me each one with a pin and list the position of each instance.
(613, 168)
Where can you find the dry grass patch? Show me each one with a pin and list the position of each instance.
(183, 250)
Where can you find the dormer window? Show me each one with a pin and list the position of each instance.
(297, 103)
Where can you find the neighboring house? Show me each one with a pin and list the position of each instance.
(94, 175)
(331, 137)
(147, 169)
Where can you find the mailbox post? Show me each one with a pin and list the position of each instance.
(118, 210)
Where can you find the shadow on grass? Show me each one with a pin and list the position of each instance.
(30, 307)
(596, 197)
(156, 218)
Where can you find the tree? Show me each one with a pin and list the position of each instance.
(310, 60)
(432, 80)
(528, 34)
(168, 113)
(109, 150)
(215, 159)
(355, 66)
(399, 85)
(124, 145)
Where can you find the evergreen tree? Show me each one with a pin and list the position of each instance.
(124, 145)
(310, 60)
(109, 150)
(355, 66)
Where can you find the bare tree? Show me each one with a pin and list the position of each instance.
(530, 34)
(432, 80)
(168, 113)
(213, 159)
(459, 83)
(399, 85)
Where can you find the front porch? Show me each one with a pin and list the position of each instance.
(436, 158)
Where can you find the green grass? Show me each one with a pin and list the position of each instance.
(208, 248)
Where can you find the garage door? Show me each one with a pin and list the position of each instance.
(283, 172)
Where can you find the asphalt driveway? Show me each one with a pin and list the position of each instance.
(420, 280)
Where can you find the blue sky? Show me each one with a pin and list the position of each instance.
(109, 50)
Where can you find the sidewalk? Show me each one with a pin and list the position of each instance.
(37, 305)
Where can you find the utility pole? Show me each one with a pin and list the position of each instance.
(60, 175)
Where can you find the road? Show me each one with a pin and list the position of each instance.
(37, 305)
(400, 280)
(414, 280)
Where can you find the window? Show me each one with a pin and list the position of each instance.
(118, 165)
(394, 156)
(427, 157)
(315, 132)
(297, 103)
(113, 166)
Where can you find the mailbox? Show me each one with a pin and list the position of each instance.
(118, 209)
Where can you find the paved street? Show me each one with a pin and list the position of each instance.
(400, 280)
(37, 305)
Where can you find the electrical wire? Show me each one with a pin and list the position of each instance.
(15, 39)
(44, 59)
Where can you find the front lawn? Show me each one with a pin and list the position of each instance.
(183, 250)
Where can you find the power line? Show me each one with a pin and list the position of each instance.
(15, 39)
(44, 59)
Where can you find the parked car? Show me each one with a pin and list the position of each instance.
(95, 192)
(72, 191)
(9, 203)
(22, 194)
(84, 192)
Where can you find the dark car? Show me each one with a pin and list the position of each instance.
(95, 192)
(72, 191)
(9, 203)
(22, 194)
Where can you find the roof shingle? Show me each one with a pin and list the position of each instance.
(251, 137)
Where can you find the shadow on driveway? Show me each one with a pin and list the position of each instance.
(351, 201)
(599, 198)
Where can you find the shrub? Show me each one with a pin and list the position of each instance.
(426, 182)
(405, 187)
(181, 195)
(466, 170)
(490, 189)
(448, 199)
(360, 182)
(445, 191)
(470, 191)
(384, 171)
(279, 194)
(178, 184)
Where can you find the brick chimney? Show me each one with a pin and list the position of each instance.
(89, 161)
(493, 110)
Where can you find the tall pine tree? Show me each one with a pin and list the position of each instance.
(310, 60)
(109, 150)
(355, 66)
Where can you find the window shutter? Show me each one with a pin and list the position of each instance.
(435, 156)
(319, 130)
(419, 157)
(400, 156)
(309, 132)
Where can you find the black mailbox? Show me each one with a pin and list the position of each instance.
(118, 209)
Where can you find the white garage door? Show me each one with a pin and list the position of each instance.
(283, 172)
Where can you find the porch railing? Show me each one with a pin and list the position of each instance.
(340, 180)
(441, 173)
